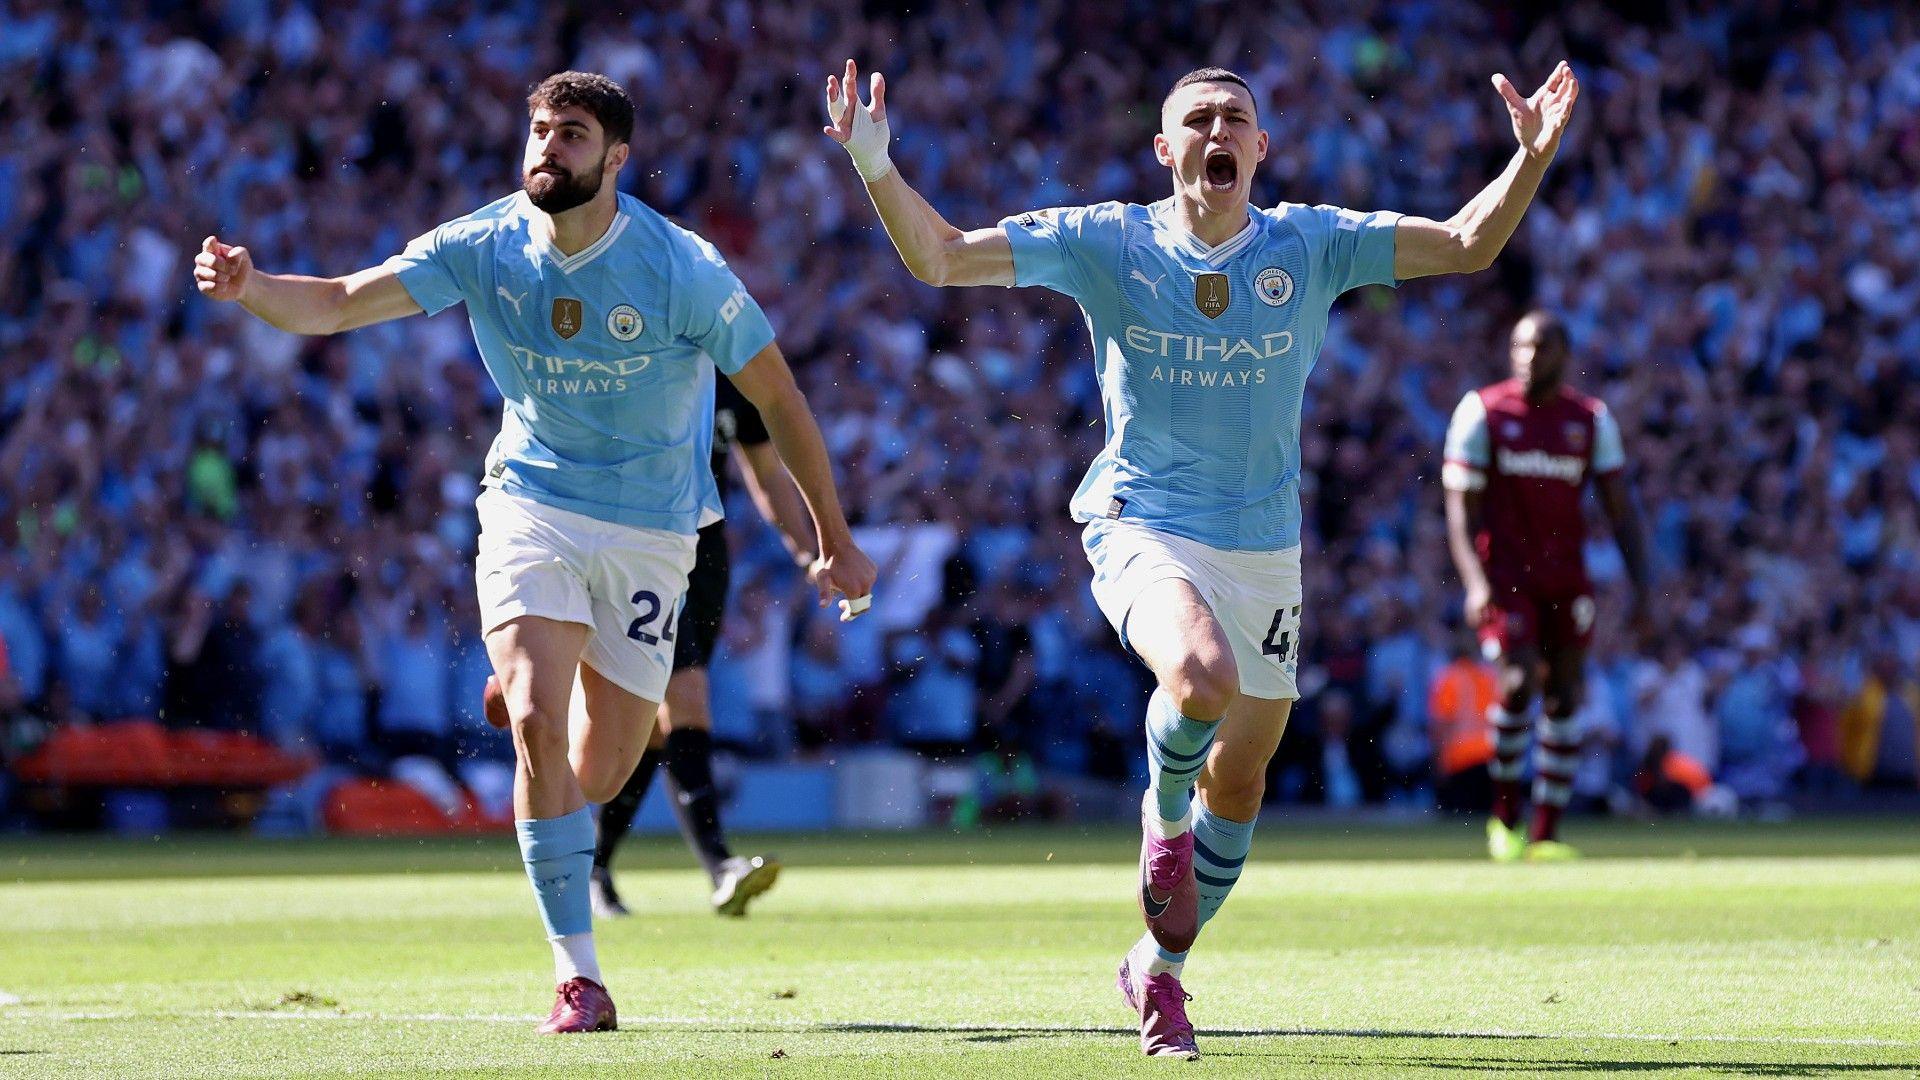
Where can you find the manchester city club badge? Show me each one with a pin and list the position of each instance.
(624, 323)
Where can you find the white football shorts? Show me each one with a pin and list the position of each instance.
(627, 583)
(1255, 595)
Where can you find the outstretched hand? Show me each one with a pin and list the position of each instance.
(862, 129)
(1538, 121)
(220, 271)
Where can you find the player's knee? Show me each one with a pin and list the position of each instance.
(599, 785)
(1235, 794)
(540, 732)
(1203, 689)
(1517, 688)
(1561, 700)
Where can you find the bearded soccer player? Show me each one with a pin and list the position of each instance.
(1519, 454)
(602, 323)
(1206, 316)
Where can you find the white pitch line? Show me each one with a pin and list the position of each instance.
(839, 1027)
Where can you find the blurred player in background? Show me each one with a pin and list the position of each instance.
(1206, 317)
(1519, 454)
(683, 741)
(601, 322)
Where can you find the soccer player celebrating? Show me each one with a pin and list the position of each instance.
(1518, 457)
(1206, 316)
(687, 746)
(601, 322)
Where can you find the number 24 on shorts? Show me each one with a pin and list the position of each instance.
(649, 605)
(1287, 649)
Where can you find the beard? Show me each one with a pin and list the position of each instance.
(556, 194)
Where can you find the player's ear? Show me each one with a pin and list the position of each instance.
(1163, 151)
(1260, 147)
(617, 156)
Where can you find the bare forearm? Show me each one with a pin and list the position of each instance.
(917, 230)
(778, 501)
(933, 250)
(797, 438)
(1460, 530)
(1488, 220)
(296, 303)
(1625, 519)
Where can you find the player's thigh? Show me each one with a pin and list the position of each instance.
(1258, 602)
(611, 732)
(535, 658)
(1234, 780)
(638, 580)
(1151, 589)
(1171, 627)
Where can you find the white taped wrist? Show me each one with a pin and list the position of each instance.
(868, 144)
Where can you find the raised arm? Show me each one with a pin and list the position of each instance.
(1469, 240)
(299, 304)
(934, 250)
(842, 567)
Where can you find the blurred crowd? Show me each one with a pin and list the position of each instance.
(208, 521)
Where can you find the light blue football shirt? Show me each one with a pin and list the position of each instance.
(605, 357)
(1203, 354)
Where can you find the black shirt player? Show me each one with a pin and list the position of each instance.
(683, 738)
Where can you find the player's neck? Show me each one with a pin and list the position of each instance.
(1539, 395)
(1209, 227)
(576, 230)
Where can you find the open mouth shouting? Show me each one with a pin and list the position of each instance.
(1222, 173)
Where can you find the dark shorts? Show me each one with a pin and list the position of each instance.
(706, 604)
(1521, 619)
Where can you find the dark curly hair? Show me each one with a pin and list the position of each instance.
(600, 96)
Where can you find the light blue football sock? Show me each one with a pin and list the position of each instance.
(1220, 849)
(559, 857)
(1177, 748)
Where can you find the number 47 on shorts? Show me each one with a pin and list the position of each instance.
(1283, 645)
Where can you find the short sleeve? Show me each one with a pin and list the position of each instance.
(1609, 452)
(712, 310)
(1057, 248)
(1469, 449)
(436, 269)
(1358, 247)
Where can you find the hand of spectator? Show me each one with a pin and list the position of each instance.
(849, 572)
(1539, 120)
(862, 129)
(221, 271)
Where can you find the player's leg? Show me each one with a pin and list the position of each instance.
(736, 879)
(616, 820)
(1231, 789)
(1557, 757)
(1173, 630)
(534, 659)
(536, 614)
(1511, 634)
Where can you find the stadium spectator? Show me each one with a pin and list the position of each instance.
(1880, 728)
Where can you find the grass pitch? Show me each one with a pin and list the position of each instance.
(1786, 950)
